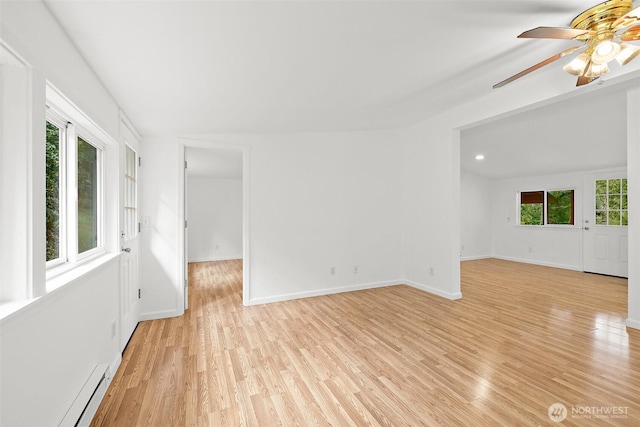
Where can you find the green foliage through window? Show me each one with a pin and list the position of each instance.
(531, 214)
(547, 207)
(87, 196)
(53, 191)
(560, 207)
(611, 202)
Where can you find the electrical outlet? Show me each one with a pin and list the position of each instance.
(431, 271)
(355, 269)
(530, 249)
(332, 271)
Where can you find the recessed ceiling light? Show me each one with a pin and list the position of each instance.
(480, 157)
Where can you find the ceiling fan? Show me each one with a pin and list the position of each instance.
(603, 29)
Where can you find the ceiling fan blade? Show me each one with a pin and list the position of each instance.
(537, 66)
(628, 19)
(553, 33)
(582, 80)
(631, 34)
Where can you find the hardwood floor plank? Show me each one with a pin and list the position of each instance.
(522, 338)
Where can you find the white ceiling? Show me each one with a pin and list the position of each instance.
(204, 67)
(585, 133)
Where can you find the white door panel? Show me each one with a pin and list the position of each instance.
(129, 273)
(605, 242)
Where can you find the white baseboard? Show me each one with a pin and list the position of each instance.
(321, 292)
(351, 288)
(163, 314)
(220, 258)
(113, 367)
(474, 257)
(632, 323)
(431, 290)
(536, 262)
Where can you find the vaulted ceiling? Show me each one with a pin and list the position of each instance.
(202, 67)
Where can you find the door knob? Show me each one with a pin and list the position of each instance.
(127, 250)
(586, 228)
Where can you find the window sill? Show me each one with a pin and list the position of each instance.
(549, 227)
(10, 309)
(60, 276)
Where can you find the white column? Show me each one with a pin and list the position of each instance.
(22, 224)
(633, 172)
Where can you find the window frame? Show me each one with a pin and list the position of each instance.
(545, 210)
(68, 193)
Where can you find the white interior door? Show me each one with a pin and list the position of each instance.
(605, 242)
(129, 283)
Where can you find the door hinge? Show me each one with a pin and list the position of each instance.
(138, 227)
(139, 293)
(185, 164)
(185, 223)
(139, 161)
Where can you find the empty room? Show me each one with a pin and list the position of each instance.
(223, 213)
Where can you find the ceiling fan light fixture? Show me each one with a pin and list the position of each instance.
(627, 53)
(596, 70)
(603, 29)
(604, 52)
(578, 65)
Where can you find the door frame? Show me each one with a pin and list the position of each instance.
(185, 143)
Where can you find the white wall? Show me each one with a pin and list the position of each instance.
(431, 208)
(476, 219)
(633, 177)
(316, 201)
(214, 213)
(320, 201)
(161, 262)
(432, 226)
(50, 347)
(559, 246)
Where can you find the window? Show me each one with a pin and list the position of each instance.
(531, 207)
(560, 207)
(73, 192)
(553, 207)
(53, 187)
(611, 202)
(130, 194)
(87, 178)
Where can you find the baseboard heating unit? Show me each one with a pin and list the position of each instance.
(86, 403)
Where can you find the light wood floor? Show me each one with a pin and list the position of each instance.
(522, 338)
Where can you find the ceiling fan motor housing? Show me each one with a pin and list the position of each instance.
(601, 17)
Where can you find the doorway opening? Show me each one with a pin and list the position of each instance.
(215, 212)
